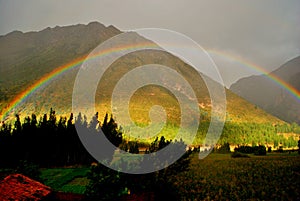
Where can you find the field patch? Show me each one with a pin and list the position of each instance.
(65, 179)
(220, 177)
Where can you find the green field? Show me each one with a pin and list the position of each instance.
(217, 177)
(220, 177)
(65, 179)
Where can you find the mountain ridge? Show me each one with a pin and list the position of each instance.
(270, 96)
(59, 45)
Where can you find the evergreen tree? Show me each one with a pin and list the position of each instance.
(133, 147)
(299, 146)
(111, 131)
(225, 148)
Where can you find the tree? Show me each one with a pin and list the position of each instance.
(162, 143)
(17, 140)
(299, 146)
(260, 150)
(17, 126)
(6, 145)
(29, 169)
(105, 183)
(111, 131)
(225, 148)
(94, 122)
(133, 147)
(154, 146)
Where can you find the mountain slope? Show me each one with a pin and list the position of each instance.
(265, 93)
(26, 57)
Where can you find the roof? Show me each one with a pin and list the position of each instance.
(20, 187)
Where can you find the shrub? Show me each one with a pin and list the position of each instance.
(29, 169)
(245, 149)
(239, 155)
(105, 183)
(269, 149)
(225, 148)
(260, 150)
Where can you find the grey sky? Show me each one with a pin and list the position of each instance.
(264, 32)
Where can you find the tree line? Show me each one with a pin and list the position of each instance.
(53, 141)
(50, 141)
(259, 134)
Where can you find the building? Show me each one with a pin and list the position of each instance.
(19, 187)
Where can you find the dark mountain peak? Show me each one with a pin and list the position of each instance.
(295, 60)
(111, 27)
(95, 24)
(75, 38)
(14, 33)
(271, 96)
(288, 69)
(46, 29)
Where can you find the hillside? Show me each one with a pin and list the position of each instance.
(265, 93)
(26, 57)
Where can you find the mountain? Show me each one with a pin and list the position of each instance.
(270, 96)
(27, 57)
(24, 57)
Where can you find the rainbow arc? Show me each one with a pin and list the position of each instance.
(20, 98)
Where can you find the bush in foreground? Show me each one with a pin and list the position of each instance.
(260, 150)
(239, 155)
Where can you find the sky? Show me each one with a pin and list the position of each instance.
(265, 33)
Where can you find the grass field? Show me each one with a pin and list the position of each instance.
(217, 177)
(220, 177)
(66, 179)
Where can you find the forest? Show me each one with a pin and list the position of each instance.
(53, 141)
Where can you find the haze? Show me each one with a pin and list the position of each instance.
(265, 33)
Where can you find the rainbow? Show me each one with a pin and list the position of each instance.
(41, 82)
(280, 82)
(77, 62)
(61, 70)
